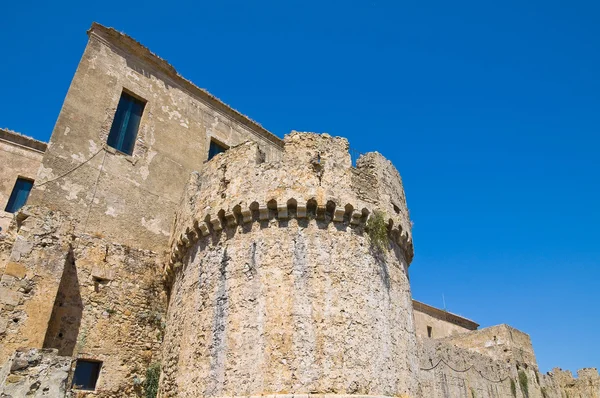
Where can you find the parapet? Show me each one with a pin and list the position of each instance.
(22, 140)
(314, 179)
(501, 342)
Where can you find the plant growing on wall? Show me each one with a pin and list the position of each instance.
(523, 383)
(513, 388)
(377, 230)
(151, 383)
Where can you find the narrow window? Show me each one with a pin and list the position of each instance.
(86, 374)
(19, 195)
(429, 331)
(215, 149)
(126, 123)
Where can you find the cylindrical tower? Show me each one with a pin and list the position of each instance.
(277, 284)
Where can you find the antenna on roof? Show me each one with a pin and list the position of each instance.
(444, 301)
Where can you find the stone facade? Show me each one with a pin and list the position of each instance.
(431, 322)
(20, 156)
(84, 297)
(131, 198)
(275, 268)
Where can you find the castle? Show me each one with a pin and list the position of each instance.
(163, 244)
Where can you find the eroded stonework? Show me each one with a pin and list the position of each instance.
(279, 289)
(277, 268)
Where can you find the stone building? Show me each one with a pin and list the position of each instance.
(170, 244)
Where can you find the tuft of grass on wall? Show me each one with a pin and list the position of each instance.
(513, 388)
(377, 230)
(151, 383)
(524, 383)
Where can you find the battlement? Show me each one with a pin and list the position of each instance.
(313, 179)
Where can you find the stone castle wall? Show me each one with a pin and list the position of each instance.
(277, 289)
(502, 343)
(83, 296)
(259, 277)
(449, 371)
(132, 199)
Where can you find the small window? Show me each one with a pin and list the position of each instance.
(126, 123)
(86, 374)
(19, 195)
(215, 149)
(429, 331)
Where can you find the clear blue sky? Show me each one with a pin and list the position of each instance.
(489, 111)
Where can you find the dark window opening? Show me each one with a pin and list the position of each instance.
(19, 195)
(126, 123)
(429, 331)
(215, 149)
(86, 374)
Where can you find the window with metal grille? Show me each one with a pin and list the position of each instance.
(125, 125)
(19, 195)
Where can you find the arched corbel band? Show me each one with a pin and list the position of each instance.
(328, 212)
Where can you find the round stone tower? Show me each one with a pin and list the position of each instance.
(276, 285)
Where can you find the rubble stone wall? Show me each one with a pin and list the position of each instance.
(278, 290)
(84, 297)
(500, 342)
(35, 373)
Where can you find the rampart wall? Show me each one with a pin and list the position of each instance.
(501, 342)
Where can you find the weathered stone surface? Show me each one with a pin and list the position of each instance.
(9, 297)
(439, 323)
(20, 156)
(86, 298)
(274, 286)
(285, 304)
(35, 373)
(450, 371)
(502, 343)
(15, 269)
(131, 199)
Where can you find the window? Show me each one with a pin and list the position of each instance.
(429, 331)
(215, 149)
(19, 195)
(86, 374)
(126, 123)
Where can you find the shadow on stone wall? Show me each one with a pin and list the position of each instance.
(63, 327)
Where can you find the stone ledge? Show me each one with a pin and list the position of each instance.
(217, 221)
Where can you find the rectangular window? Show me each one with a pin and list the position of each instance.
(126, 123)
(19, 195)
(215, 149)
(86, 374)
(429, 331)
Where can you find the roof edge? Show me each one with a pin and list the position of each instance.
(23, 140)
(113, 37)
(454, 318)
